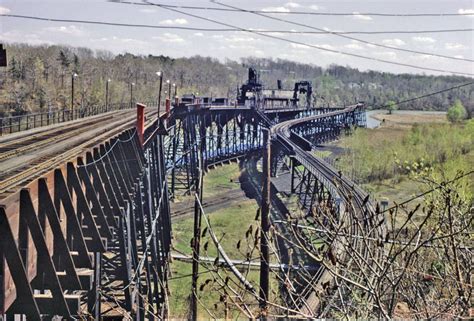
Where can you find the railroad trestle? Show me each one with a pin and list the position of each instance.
(91, 238)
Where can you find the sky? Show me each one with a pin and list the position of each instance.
(236, 44)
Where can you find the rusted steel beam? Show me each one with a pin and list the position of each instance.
(73, 213)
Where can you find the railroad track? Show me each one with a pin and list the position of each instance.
(338, 184)
(11, 147)
(219, 200)
(50, 148)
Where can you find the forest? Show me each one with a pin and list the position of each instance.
(39, 78)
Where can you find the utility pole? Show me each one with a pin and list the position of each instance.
(131, 94)
(265, 223)
(73, 76)
(169, 89)
(160, 75)
(107, 95)
(196, 240)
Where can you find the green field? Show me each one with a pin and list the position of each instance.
(395, 160)
(231, 224)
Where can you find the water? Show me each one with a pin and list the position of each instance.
(372, 122)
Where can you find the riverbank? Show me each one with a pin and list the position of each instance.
(386, 160)
(403, 117)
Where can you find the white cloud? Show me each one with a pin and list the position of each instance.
(298, 46)
(277, 9)
(326, 46)
(423, 57)
(148, 10)
(169, 37)
(459, 56)
(4, 10)
(353, 46)
(240, 39)
(292, 5)
(359, 16)
(423, 39)
(454, 46)
(240, 46)
(385, 54)
(314, 7)
(468, 12)
(394, 42)
(259, 53)
(199, 34)
(178, 21)
(30, 38)
(217, 36)
(71, 30)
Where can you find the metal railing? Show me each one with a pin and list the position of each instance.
(13, 124)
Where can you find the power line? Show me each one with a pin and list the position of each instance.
(427, 95)
(309, 45)
(344, 36)
(118, 24)
(440, 14)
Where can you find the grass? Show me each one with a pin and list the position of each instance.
(322, 153)
(379, 154)
(230, 224)
(390, 161)
(221, 178)
(399, 119)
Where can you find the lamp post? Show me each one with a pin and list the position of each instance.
(169, 88)
(107, 95)
(175, 90)
(131, 94)
(73, 76)
(159, 74)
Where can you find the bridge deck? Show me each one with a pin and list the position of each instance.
(29, 154)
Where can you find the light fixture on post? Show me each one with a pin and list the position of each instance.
(131, 94)
(73, 76)
(107, 95)
(160, 75)
(169, 88)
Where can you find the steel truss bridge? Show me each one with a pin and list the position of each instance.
(85, 231)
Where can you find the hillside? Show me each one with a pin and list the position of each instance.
(39, 77)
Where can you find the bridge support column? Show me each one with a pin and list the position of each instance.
(196, 246)
(264, 253)
(293, 165)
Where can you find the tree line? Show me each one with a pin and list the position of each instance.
(39, 78)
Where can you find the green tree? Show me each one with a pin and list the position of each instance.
(457, 112)
(391, 106)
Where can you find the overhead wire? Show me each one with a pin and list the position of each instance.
(312, 13)
(134, 25)
(426, 95)
(310, 45)
(342, 35)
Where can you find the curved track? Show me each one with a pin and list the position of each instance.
(339, 185)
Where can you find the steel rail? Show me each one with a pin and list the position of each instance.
(15, 178)
(16, 146)
(337, 184)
